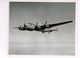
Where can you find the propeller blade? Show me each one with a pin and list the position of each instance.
(20, 26)
(37, 24)
(45, 22)
(24, 24)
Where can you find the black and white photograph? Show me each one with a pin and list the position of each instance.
(42, 28)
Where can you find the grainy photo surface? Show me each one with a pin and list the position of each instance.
(41, 28)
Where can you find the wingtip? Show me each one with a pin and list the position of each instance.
(70, 21)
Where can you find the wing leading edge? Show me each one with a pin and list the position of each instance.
(51, 25)
(57, 24)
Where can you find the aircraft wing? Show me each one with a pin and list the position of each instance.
(57, 24)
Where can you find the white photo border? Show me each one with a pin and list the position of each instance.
(4, 30)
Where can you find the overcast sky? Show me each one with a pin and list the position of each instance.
(37, 43)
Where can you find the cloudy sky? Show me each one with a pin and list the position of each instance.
(37, 43)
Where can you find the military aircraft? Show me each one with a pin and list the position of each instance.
(40, 28)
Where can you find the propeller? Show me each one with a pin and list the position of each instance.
(45, 23)
(24, 25)
(20, 26)
(37, 24)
